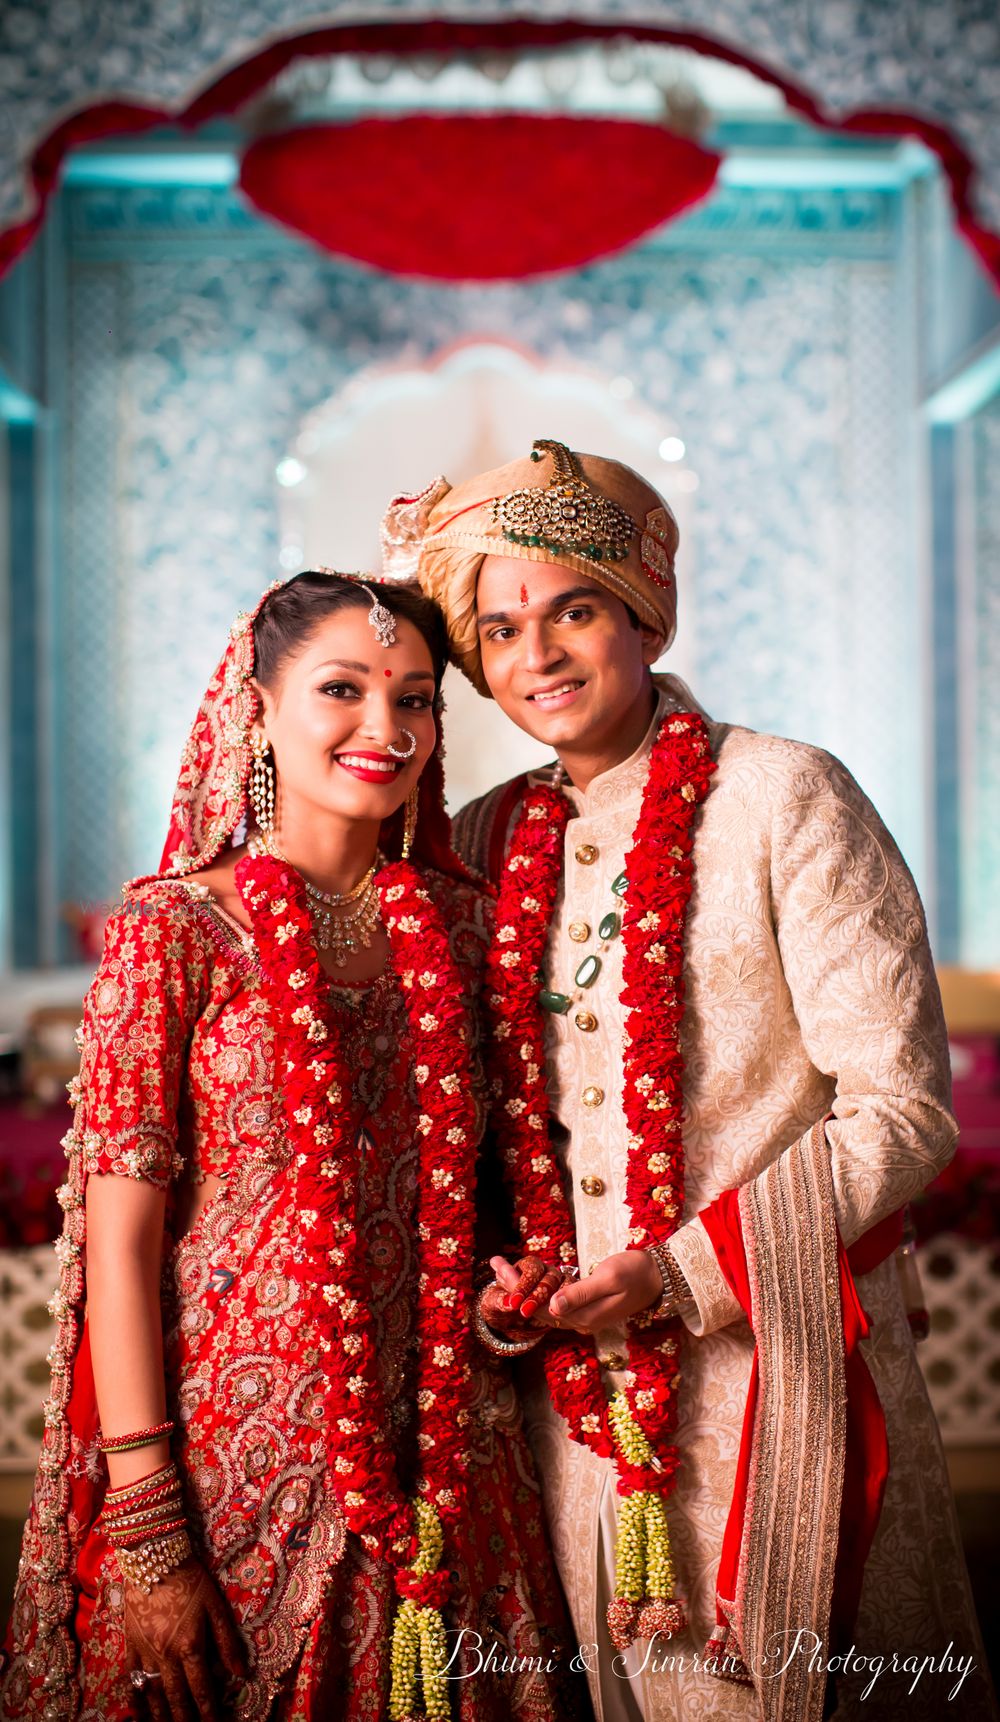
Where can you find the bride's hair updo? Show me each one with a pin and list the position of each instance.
(292, 613)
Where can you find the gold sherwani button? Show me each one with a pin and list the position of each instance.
(586, 854)
(579, 931)
(613, 1360)
(592, 1096)
(592, 1186)
(586, 1020)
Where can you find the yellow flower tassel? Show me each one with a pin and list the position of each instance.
(403, 1658)
(644, 1602)
(630, 1438)
(419, 1647)
(630, 1549)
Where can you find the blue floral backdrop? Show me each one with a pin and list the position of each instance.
(784, 331)
(769, 326)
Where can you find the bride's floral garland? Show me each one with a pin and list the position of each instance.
(636, 1427)
(318, 1086)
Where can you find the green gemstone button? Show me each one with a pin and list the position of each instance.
(610, 926)
(588, 971)
(620, 885)
(557, 1003)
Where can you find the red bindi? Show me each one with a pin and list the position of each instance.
(387, 672)
(524, 596)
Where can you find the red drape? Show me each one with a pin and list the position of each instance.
(463, 197)
(436, 36)
(866, 1455)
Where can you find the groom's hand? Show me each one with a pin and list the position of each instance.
(620, 1286)
(519, 1299)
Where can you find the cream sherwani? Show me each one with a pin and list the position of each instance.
(809, 990)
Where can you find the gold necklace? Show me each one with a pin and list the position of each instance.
(340, 934)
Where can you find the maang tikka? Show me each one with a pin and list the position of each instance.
(380, 618)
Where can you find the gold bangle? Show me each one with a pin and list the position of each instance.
(157, 1479)
(119, 1524)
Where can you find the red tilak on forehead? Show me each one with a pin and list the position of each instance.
(387, 672)
(524, 596)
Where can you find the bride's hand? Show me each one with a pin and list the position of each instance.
(168, 1631)
(519, 1300)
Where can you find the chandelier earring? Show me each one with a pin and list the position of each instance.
(262, 784)
(410, 821)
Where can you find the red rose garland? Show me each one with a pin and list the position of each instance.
(637, 1426)
(317, 1087)
(513, 968)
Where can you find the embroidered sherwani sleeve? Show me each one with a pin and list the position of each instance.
(712, 1304)
(858, 964)
(854, 952)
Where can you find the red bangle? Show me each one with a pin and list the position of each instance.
(153, 1479)
(141, 1503)
(144, 1490)
(141, 1514)
(148, 1534)
(138, 1438)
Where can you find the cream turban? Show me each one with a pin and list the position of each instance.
(593, 515)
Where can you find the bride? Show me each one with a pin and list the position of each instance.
(279, 1477)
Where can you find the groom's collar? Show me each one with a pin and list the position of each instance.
(623, 784)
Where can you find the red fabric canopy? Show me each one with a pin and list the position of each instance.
(235, 86)
(476, 197)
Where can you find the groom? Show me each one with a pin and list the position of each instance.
(711, 969)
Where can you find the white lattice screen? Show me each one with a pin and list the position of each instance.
(961, 1355)
(27, 1280)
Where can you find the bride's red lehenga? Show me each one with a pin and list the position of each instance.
(177, 1085)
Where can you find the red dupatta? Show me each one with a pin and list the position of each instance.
(814, 1454)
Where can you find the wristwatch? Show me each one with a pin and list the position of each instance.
(676, 1290)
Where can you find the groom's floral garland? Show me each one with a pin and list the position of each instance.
(637, 1425)
(318, 1086)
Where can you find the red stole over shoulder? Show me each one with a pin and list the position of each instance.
(814, 1456)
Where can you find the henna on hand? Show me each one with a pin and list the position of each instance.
(168, 1632)
(521, 1303)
